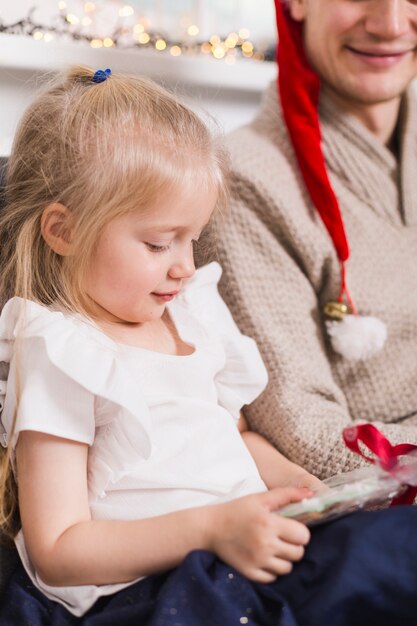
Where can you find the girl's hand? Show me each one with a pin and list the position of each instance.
(304, 480)
(249, 535)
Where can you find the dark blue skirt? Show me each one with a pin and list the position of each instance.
(360, 570)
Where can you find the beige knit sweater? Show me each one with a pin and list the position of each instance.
(280, 268)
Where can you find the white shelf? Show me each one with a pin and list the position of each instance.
(229, 93)
(21, 53)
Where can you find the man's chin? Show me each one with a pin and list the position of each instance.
(373, 92)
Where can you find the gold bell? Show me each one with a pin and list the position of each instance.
(335, 310)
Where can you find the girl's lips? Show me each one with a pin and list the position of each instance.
(165, 297)
(379, 58)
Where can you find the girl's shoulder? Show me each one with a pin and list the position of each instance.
(22, 318)
(244, 375)
(204, 282)
(206, 274)
(60, 359)
(20, 315)
(200, 299)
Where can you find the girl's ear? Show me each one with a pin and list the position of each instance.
(297, 9)
(56, 228)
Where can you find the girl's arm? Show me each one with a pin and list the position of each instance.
(275, 469)
(67, 547)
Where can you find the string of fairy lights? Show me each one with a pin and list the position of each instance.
(134, 31)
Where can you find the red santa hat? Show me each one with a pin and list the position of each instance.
(354, 337)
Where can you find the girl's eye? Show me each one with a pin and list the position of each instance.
(155, 248)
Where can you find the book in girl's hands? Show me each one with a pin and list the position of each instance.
(360, 489)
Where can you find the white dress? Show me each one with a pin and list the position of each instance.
(161, 428)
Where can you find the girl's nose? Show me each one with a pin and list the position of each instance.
(183, 266)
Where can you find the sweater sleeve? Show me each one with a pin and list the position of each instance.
(303, 410)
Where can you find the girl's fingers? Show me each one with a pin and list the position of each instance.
(291, 531)
(276, 567)
(261, 576)
(279, 566)
(289, 551)
(279, 562)
(280, 496)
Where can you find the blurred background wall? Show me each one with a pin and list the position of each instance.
(213, 53)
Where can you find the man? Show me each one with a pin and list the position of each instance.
(308, 189)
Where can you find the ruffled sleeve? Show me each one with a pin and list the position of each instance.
(244, 375)
(58, 371)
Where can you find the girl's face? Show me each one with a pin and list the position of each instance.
(141, 261)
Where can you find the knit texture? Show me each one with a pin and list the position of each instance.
(280, 268)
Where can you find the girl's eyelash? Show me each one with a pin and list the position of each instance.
(155, 248)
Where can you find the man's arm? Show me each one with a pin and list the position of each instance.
(271, 296)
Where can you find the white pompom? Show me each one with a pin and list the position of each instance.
(356, 337)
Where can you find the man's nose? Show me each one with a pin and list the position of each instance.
(388, 19)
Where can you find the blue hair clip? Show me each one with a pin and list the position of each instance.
(101, 75)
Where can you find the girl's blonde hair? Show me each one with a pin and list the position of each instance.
(100, 149)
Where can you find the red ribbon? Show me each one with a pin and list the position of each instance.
(386, 454)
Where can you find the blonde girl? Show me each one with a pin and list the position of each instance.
(130, 484)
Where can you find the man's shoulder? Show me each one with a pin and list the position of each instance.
(255, 140)
(263, 163)
(255, 152)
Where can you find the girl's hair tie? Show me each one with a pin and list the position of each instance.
(101, 75)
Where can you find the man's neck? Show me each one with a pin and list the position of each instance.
(380, 118)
